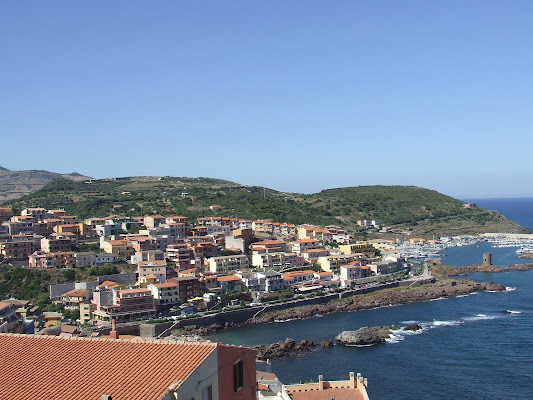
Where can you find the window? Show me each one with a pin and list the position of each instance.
(238, 375)
(207, 393)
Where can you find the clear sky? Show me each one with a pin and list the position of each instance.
(293, 95)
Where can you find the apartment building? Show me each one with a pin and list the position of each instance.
(124, 305)
(155, 267)
(165, 293)
(18, 248)
(188, 287)
(350, 272)
(119, 247)
(38, 214)
(19, 227)
(302, 245)
(54, 245)
(63, 259)
(226, 264)
(359, 247)
(180, 254)
(267, 246)
(333, 263)
(9, 321)
(277, 261)
(153, 221)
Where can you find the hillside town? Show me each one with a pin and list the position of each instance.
(180, 267)
(158, 268)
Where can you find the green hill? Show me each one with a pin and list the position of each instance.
(427, 210)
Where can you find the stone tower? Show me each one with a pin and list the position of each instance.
(487, 258)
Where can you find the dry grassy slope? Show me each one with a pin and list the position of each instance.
(15, 184)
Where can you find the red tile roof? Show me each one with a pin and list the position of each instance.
(124, 369)
(76, 293)
(228, 278)
(166, 285)
(298, 273)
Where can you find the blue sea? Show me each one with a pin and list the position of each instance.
(474, 347)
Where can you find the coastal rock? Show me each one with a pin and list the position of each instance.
(365, 335)
(412, 327)
(288, 348)
(492, 287)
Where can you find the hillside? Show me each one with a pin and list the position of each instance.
(426, 210)
(14, 184)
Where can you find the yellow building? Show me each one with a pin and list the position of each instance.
(51, 319)
(86, 312)
(120, 247)
(72, 228)
(417, 241)
(359, 247)
(146, 280)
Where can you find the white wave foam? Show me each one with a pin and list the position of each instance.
(509, 288)
(394, 338)
(447, 323)
(480, 317)
(360, 345)
(408, 322)
(514, 312)
(285, 320)
(438, 298)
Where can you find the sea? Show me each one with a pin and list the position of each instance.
(478, 346)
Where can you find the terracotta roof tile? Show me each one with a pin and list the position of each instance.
(228, 278)
(166, 285)
(124, 369)
(76, 293)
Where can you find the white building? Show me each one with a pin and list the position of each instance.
(227, 264)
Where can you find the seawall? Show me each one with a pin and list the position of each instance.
(241, 315)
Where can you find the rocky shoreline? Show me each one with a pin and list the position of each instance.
(288, 348)
(379, 298)
(455, 271)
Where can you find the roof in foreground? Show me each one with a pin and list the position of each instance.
(124, 369)
(337, 394)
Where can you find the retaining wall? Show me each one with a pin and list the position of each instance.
(243, 314)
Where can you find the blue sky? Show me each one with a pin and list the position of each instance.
(293, 95)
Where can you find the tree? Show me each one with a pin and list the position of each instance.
(73, 315)
(99, 270)
(69, 274)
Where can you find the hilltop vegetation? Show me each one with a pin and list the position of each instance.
(426, 209)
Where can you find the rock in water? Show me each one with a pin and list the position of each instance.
(413, 327)
(365, 335)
